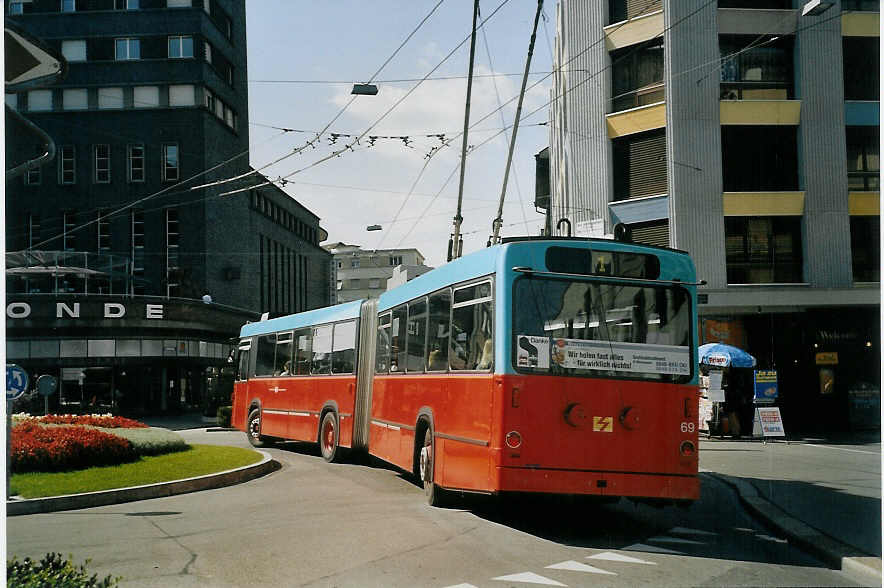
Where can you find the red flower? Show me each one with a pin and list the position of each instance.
(35, 448)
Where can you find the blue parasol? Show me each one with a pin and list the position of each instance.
(723, 355)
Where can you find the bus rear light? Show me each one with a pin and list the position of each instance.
(513, 440)
(687, 449)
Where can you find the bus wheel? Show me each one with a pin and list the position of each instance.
(254, 430)
(328, 436)
(435, 495)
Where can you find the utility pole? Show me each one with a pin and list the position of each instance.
(455, 244)
(498, 221)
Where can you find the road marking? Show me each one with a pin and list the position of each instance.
(576, 566)
(842, 449)
(686, 531)
(528, 578)
(462, 586)
(675, 540)
(651, 549)
(610, 556)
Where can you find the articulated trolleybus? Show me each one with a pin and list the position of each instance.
(540, 365)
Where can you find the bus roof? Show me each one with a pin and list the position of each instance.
(329, 314)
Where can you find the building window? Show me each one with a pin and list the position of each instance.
(126, 49)
(865, 248)
(33, 231)
(75, 99)
(862, 5)
(862, 62)
(104, 239)
(137, 231)
(374, 283)
(68, 5)
(172, 261)
(182, 95)
(69, 242)
(639, 165)
(637, 76)
(128, 4)
(110, 98)
(763, 250)
(136, 163)
(763, 72)
(146, 97)
(209, 100)
(102, 164)
(16, 8)
(39, 100)
(759, 158)
(863, 158)
(395, 260)
(12, 101)
(355, 284)
(621, 10)
(208, 52)
(170, 162)
(354, 263)
(179, 3)
(67, 169)
(34, 176)
(180, 47)
(74, 50)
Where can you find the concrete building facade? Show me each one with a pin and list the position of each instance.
(361, 273)
(154, 105)
(745, 132)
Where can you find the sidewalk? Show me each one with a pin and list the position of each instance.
(179, 422)
(824, 493)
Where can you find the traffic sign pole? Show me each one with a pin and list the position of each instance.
(16, 384)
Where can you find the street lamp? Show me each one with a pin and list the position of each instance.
(373, 228)
(365, 90)
(815, 7)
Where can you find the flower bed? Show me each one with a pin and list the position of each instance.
(106, 421)
(35, 448)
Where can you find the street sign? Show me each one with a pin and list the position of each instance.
(47, 385)
(16, 381)
(770, 421)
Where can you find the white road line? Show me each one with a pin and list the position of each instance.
(576, 566)
(611, 556)
(842, 449)
(528, 578)
(675, 540)
(462, 586)
(651, 549)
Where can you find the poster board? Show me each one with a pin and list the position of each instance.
(765, 387)
(770, 421)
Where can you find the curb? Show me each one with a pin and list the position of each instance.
(158, 490)
(831, 551)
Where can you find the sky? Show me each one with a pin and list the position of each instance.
(299, 50)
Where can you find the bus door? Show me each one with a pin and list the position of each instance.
(240, 385)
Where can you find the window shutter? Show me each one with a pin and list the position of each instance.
(655, 233)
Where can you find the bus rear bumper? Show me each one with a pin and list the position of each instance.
(599, 483)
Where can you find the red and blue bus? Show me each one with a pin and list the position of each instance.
(540, 365)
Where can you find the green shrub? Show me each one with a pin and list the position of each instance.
(53, 571)
(151, 441)
(224, 414)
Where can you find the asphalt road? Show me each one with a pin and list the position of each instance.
(350, 524)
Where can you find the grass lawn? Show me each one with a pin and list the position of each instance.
(196, 461)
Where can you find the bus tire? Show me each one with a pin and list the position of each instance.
(435, 495)
(328, 436)
(253, 430)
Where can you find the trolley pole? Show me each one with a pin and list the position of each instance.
(455, 246)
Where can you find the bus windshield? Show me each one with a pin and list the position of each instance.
(601, 329)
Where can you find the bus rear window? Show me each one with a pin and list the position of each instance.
(607, 330)
(594, 262)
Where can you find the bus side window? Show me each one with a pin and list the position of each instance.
(264, 358)
(282, 363)
(382, 360)
(303, 351)
(417, 335)
(438, 331)
(322, 347)
(472, 328)
(344, 348)
(397, 341)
